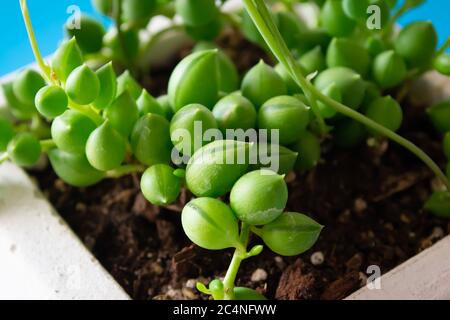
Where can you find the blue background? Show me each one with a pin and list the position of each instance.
(48, 16)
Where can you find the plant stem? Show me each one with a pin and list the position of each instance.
(121, 36)
(34, 46)
(87, 111)
(125, 170)
(47, 145)
(444, 47)
(4, 157)
(238, 257)
(264, 22)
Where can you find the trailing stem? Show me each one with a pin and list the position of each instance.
(259, 12)
(121, 36)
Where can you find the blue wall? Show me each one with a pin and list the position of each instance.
(48, 16)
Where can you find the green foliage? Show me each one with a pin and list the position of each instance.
(89, 35)
(235, 112)
(439, 204)
(24, 150)
(26, 85)
(6, 133)
(159, 185)
(67, 58)
(146, 103)
(335, 21)
(108, 86)
(122, 113)
(389, 69)
(344, 52)
(440, 116)
(83, 85)
(387, 112)
(309, 152)
(51, 101)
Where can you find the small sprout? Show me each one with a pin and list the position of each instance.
(356, 9)
(24, 150)
(187, 120)
(255, 251)
(210, 224)
(259, 197)
(344, 52)
(309, 153)
(71, 130)
(74, 169)
(349, 83)
(235, 112)
(440, 116)
(442, 64)
(417, 43)
(105, 148)
(334, 20)
(313, 60)
(439, 204)
(387, 112)
(89, 35)
(261, 83)
(188, 82)
(150, 140)
(333, 92)
(6, 133)
(214, 169)
(108, 87)
(217, 289)
(51, 101)
(389, 69)
(67, 58)
(146, 103)
(160, 186)
(291, 234)
(348, 133)
(83, 85)
(26, 85)
(287, 114)
(197, 12)
(122, 113)
(126, 82)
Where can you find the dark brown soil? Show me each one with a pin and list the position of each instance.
(370, 200)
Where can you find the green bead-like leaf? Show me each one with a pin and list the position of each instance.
(51, 101)
(373, 92)
(356, 9)
(442, 64)
(334, 20)
(208, 32)
(228, 73)
(309, 153)
(259, 197)
(108, 86)
(89, 35)
(291, 234)
(447, 145)
(27, 84)
(349, 83)
(333, 92)
(6, 133)
(214, 169)
(195, 80)
(235, 112)
(126, 82)
(439, 204)
(286, 158)
(160, 186)
(197, 12)
(387, 112)
(417, 43)
(150, 140)
(287, 114)
(148, 104)
(138, 12)
(74, 169)
(66, 59)
(83, 85)
(122, 113)
(71, 130)
(313, 60)
(261, 83)
(246, 294)
(113, 44)
(250, 31)
(440, 116)
(290, 26)
(183, 126)
(164, 102)
(105, 148)
(291, 86)
(210, 224)
(103, 6)
(349, 133)
(348, 53)
(375, 46)
(389, 69)
(24, 150)
(20, 110)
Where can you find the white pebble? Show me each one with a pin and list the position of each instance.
(317, 258)
(259, 275)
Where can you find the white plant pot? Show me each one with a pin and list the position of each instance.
(41, 257)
